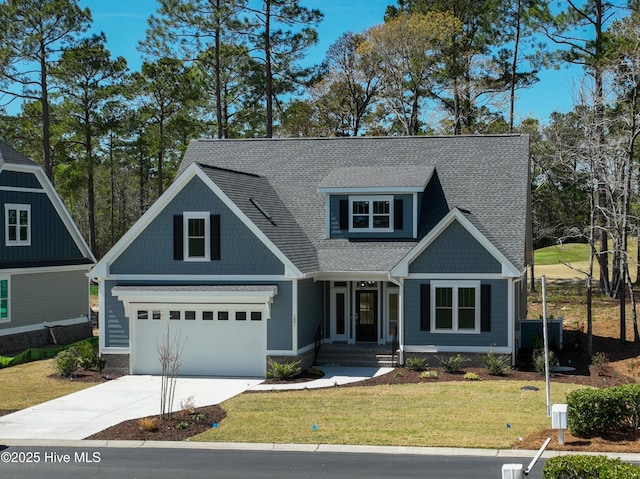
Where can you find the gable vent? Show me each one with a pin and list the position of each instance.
(264, 212)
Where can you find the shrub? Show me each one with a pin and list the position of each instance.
(597, 411)
(416, 364)
(452, 364)
(538, 360)
(188, 405)
(472, 377)
(182, 425)
(101, 362)
(283, 371)
(495, 364)
(86, 355)
(148, 424)
(66, 362)
(588, 467)
(429, 375)
(599, 359)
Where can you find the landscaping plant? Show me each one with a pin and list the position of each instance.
(416, 364)
(452, 364)
(283, 371)
(66, 362)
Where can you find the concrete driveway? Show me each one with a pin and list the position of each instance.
(83, 413)
(91, 410)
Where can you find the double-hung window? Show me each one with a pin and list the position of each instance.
(455, 307)
(197, 242)
(371, 214)
(17, 219)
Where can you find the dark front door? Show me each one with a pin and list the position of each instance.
(366, 315)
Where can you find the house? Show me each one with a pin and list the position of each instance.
(44, 261)
(263, 247)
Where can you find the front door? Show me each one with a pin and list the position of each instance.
(366, 315)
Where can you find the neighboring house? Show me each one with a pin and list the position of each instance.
(44, 261)
(260, 245)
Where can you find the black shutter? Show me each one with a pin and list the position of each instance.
(178, 237)
(425, 307)
(485, 307)
(215, 237)
(398, 215)
(344, 214)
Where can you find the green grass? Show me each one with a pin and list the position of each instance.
(28, 384)
(447, 414)
(567, 253)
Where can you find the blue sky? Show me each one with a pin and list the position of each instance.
(125, 21)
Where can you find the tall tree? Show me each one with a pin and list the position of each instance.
(588, 51)
(280, 49)
(408, 50)
(86, 77)
(197, 30)
(33, 33)
(165, 88)
(471, 70)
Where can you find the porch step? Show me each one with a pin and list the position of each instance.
(356, 356)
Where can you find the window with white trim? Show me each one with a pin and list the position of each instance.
(17, 220)
(455, 307)
(197, 243)
(370, 214)
(4, 300)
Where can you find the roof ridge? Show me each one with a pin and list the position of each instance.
(350, 138)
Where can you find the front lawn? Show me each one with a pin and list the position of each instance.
(486, 414)
(28, 384)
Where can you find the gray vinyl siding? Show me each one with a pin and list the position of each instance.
(498, 336)
(455, 251)
(310, 310)
(279, 330)
(241, 252)
(405, 232)
(50, 239)
(54, 296)
(19, 179)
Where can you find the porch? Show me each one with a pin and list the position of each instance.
(359, 354)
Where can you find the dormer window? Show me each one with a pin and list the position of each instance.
(371, 214)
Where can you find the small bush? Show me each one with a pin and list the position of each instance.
(452, 364)
(588, 467)
(148, 424)
(101, 362)
(66, 362)
(471, 377)
(599, 359)
(182, 425)
(495, 364)
(283, 371)
(188, 405)
(538, 361)
(86, 355)
(416, 364)
(429, 375)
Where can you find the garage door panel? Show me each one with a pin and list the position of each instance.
(209, 347)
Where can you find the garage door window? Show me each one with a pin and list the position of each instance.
(143, 314)
(223, 316)
(207, 315)
(156, 315)
(256, 315)
(174, 315)
(190, 315)
(241, 316)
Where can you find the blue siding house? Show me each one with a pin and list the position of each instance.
(270, 248)
(44, 261)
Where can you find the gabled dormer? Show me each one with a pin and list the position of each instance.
(374, 202)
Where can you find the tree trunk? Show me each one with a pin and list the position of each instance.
(268, 70)
(514, 66)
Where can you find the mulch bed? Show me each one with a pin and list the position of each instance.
(181, 426)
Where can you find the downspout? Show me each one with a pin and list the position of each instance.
(516, 318)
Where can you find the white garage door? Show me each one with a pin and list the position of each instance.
(219, 330)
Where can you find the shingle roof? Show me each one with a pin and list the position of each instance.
(377, 177)
(488, 176)
(10, 156)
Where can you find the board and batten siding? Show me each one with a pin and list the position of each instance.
(455, 251)
(19, 179)
(151, 252)
(497, 337)
(48, 297)
(50, 239)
